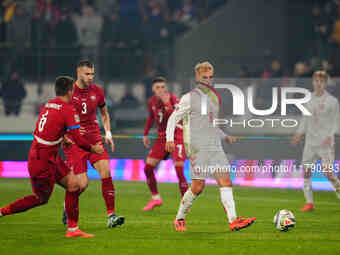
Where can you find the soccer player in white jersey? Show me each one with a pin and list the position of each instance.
(203, 144)
(319, 130)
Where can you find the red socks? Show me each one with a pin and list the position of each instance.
(151, 179)
(182, 182)
(21, 205)
(108, 192)
(72, 208)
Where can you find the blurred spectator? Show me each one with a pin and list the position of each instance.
(66, 43)
(321, 31)
(111, 44)
(18, 36)
(107, 7)
(186, 14)
(13, 93)
(39, 42)
(89, 25)
(274, 71)
(50, 12)
(147, 82)
(335, 39)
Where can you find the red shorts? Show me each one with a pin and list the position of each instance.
(45, 170)
(158, 150)
(76, 158)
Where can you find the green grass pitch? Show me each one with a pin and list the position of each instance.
(39, 231)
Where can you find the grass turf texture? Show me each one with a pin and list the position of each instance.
(39, 231)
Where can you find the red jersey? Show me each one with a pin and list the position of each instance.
(55, 119)
(86, 101)
(160, 112)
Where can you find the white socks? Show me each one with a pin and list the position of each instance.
(307, 189)
(185, 204)
(156, 197)
(227, 200)
(72, 229)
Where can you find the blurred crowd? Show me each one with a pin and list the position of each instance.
(44, 37)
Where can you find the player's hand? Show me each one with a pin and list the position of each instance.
(165, 97)
(146, 141)
(327, 142)
(111, 143)
(170, 147)
(97, 148)
(296, 139)
(231, 139)
(109, 140)
(66, 142)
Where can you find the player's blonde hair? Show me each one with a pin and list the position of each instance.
(320, 74)
(204, 66)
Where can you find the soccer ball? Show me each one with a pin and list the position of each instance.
(284, 220)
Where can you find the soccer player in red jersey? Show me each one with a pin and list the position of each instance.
(45, 166)
(87, 97)
(160, 107)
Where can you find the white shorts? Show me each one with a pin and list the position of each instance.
(208, 164)
(314, 153)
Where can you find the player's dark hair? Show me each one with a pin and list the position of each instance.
(158, 79)
(63, 84)
(86, 63)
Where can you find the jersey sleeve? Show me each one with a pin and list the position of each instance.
(72, 123)
(72, 120)
(335, 117)
(150, 120)
(101, 97)
(182, 109)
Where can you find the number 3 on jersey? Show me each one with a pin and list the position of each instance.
(84, 108)
(42, 121)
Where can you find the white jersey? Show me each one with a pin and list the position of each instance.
(324, 119)
(200, 134)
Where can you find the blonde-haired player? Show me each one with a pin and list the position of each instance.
(203, 144)
(319, 130)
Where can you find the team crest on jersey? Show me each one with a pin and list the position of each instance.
(93, 97)
(76, 118)
(153, 108)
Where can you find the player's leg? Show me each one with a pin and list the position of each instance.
(68, 179)
(156, 200)
(179, 158)
(42, 180)
(156, 154)
(327, 157)
(76, 159)
(182, 181)
(227, 199)
(102, 165)
(196, 187)
(308, 162)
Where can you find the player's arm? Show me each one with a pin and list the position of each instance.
(105, 118)
(224, 136)
(148, 125)
(168, 101)
(107, 126)
(300, 131)
(182, 110)
(335, 115)
(73, 126)
(82, 142)
(334, 120)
